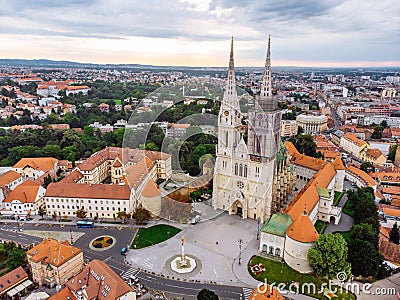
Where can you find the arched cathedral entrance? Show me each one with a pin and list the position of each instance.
(237, 208)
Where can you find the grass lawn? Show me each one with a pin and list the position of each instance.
(320, 226)
(345, 234)
(347, 209)
(338, 196)
(153, 235)
(281, 273)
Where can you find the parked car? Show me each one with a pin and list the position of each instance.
(195, 220)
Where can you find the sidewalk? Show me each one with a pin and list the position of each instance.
(38, 220)
(240, 271)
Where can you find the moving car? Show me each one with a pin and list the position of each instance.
(124, 251)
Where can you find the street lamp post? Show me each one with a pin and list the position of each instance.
(258, 228)
(18, 223)
(240, 250)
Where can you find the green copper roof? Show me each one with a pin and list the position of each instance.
(323, 192)
(277, 224)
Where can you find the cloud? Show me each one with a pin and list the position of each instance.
(330, 30)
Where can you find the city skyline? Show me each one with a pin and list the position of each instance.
(197, 32)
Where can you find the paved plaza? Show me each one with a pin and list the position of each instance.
(215, 242)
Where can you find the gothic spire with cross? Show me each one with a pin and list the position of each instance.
(266, 86)
(230, 96)
(265, 98)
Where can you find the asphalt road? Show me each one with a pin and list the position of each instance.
(114, 258)
(188, 288)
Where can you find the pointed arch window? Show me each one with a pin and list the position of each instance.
(236, 169)
(258, 145)
(226, 138)
(240, 170)
(245, 171)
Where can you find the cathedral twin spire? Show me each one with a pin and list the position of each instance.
(266, 85)
(230, 96)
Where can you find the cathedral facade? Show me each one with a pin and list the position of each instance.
(244, 170)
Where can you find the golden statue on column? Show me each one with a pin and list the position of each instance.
(183, 260)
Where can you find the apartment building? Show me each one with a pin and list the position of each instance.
(289, 128)
(96, 281)
(53, 262)
(352, 144)
(24, 200)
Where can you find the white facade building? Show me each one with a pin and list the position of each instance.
(312, 124)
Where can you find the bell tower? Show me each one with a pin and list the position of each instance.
(264, 118)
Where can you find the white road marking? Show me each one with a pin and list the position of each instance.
(216, 273)
(116, 268)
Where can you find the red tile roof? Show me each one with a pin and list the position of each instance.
(151, 189)
(26, 192)
(39, 163)
(12, 279)
(64, 294)
(8, 177)
(359, 173)
(91, 191)
(53, 252)
(302, 229)
(100, 282)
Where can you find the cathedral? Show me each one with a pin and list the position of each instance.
(246, 180)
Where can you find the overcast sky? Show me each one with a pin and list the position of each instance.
(197, 32)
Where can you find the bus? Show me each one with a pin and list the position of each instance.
(85, 224)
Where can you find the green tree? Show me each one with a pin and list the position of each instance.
(206, 294)
(122, 215)
(51, 151)
(42, 211)
(152, 147)
(394, 234)
(384, 124)
(305, 144)
(81, 213)
(15, 258)
(392, 152)
(141, 214)
(328, 256)
(365, 259)
(364, 255)
(367, 167)
(47, 180)
(363, 205)
(378, 130)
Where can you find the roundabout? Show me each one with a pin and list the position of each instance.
(102, 243)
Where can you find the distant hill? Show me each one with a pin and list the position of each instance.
(47, 63)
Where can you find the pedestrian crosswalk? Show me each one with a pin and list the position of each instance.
(131, 271)
(246, 293)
